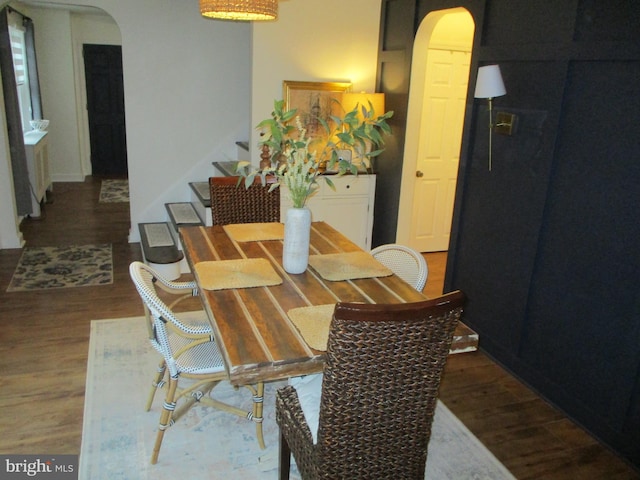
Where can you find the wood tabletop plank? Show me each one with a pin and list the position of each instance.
(251, 325)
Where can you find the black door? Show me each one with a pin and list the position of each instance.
(105, 108)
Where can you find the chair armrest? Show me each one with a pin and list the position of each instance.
(184, 289)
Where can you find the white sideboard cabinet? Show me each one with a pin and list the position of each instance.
(348, 208)
(37, 151)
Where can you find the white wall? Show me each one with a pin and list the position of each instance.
(313, 41)
(193, 86)
(186, 80)
(10, 235)
(56, 72)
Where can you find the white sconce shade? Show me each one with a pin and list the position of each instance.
(350, 100)
(489, 83)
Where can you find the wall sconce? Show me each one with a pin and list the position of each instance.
(245, 10)
(489, 85)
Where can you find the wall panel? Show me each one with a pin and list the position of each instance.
(545, 244)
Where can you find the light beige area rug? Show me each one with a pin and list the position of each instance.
(206, 443)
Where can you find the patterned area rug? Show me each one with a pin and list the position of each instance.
(63, 267)
(118, 434)
(114, 191)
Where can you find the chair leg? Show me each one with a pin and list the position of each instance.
(258, 406)
(165, 417)
(157, 383)
(285, 458)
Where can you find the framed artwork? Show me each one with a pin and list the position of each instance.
(314, 100)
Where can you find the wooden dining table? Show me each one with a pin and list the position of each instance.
(252, 328)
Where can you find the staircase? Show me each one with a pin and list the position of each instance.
(161, 248)
(160, 241)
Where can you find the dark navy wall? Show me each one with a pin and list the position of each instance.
(547, 244)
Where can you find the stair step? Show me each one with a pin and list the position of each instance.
(243, 145)
(158, 245)
(183, 214)
(228, 169)
(201, 189)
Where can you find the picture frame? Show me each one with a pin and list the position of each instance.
(314, 100)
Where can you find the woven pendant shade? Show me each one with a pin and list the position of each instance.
(246, 10)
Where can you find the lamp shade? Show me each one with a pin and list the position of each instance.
(489, 83)
(350, 100)
(245, 10)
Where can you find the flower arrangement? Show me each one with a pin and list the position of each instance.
(298, 161)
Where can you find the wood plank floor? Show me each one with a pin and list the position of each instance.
(44, 340)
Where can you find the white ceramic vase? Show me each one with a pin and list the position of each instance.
(297, 230)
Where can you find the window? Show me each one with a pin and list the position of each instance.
(18, 51)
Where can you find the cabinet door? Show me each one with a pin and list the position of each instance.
(350, 216)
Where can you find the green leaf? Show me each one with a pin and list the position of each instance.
(248, 181)
(346, 138)
(375, 153)
(265, 123)
(324, 124)
(330, 183)
(241, 165)
(286, 116)
(273, 186)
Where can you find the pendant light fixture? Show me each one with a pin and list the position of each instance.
(244, 10)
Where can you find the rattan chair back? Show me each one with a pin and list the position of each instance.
(233, 202)
(405, 262)
(381, 378)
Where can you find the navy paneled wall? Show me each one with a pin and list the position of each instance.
(547, 244)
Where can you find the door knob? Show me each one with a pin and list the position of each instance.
(419, 174)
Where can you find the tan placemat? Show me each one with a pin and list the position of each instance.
(348, 266)
(313, 324)
(242, 273)
(255, 232)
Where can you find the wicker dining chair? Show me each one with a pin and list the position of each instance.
(379, 393)
(232, 202)
(405, 262)
(188, 350)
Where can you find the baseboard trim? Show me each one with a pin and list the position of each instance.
(72, 177)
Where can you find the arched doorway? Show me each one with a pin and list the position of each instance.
(61, 59)
(437, 100)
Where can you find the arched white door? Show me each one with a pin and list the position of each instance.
(439, 149)
(440, 73)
